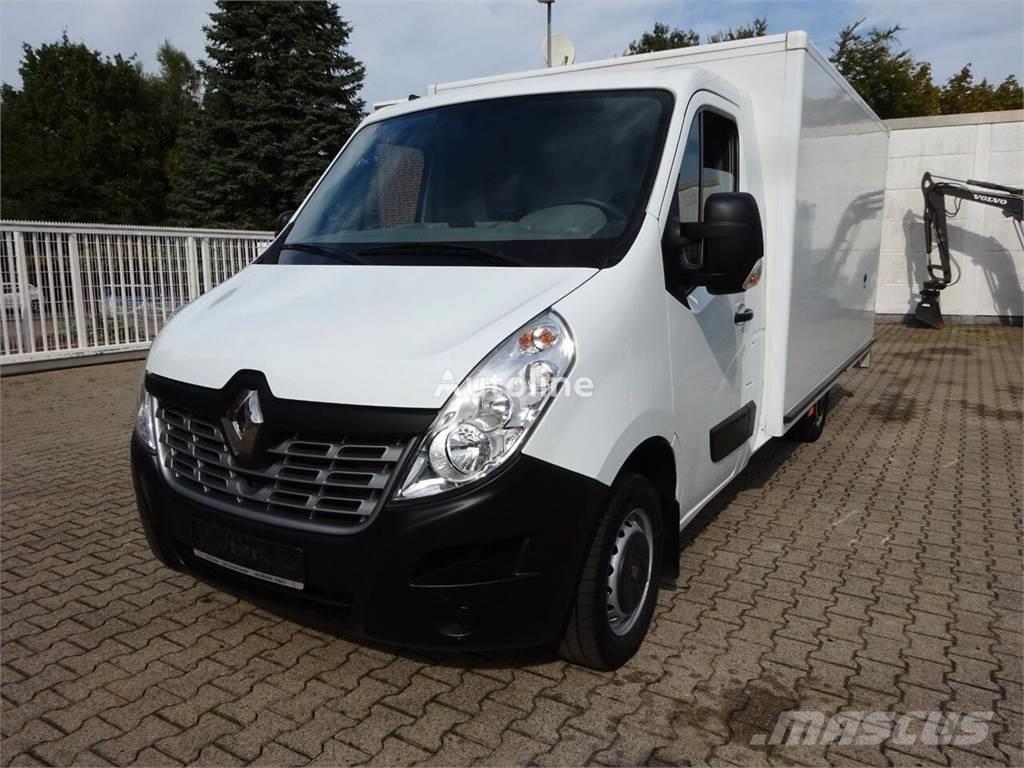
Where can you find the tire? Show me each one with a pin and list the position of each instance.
(607, 625)
(812, 423)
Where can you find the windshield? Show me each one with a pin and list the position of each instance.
(542, 180)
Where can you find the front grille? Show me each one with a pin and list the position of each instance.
(339, 482)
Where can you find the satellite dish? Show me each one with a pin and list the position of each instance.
(562, 49)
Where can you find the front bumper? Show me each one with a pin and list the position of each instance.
(493, 567)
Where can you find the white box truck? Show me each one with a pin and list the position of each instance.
(517, 335)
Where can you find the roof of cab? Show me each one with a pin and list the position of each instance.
(675, 80)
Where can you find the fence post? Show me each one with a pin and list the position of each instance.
(207, 274)
(77, 298)
(21, 266)
(192, 264)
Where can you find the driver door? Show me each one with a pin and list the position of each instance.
(715, 340)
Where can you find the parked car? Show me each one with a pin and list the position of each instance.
(626, 271)
(12, 297)
(136, 304)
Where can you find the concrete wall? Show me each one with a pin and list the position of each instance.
(989, 147)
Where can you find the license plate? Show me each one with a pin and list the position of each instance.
(252, 556)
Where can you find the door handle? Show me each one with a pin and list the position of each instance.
(743, 315)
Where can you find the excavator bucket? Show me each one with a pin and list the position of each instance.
(928, 312)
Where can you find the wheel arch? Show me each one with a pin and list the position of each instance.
(655, 459)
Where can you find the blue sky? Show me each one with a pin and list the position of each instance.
(406, 44)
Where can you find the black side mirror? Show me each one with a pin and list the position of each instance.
(282, 221)
(733, 243)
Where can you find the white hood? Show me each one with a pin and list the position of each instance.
(356, 335)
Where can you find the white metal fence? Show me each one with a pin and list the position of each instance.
(80, 289)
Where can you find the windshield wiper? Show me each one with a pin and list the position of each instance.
(337, 254)
(454, 249)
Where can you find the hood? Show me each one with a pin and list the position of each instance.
(356, 335)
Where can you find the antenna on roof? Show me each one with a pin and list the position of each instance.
(547, 41)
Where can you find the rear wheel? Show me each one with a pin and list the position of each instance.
(812, 423)
(617, 591)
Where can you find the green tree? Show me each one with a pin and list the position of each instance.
(962, 94)
(178, 84)
(888, 79)
(280, 97)
(757, 28)
(1009, 94)
(82, 139)
(895, 85)
(178, 87)
(661, 38)
(664, 38)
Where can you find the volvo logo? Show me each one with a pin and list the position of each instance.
(990, 199)
(242, 424)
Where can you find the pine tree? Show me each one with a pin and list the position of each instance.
(895, 85)
(962, 94)
(1009, 94)
(889, 80)
(280, 98)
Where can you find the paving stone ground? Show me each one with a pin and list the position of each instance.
(879, 569)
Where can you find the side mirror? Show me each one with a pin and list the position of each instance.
(282, 221)
(732, 243)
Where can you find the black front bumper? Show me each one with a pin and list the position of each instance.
(494, 567)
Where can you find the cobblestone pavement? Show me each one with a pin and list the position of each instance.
(878, 569)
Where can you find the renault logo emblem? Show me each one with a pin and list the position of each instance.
(242, 424)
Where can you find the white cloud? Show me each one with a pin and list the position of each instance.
(407, 44)
(110, 26)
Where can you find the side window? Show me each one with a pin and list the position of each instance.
(709, 165)
(719, 148)
(688, 186)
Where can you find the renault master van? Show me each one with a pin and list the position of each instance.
(519, 333)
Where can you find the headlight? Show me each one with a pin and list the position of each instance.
(144, 422)
(487, 419)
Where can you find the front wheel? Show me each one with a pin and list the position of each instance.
(617, 590)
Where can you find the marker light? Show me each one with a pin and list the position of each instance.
(538, 339)
(755, 275)
(486, 421)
